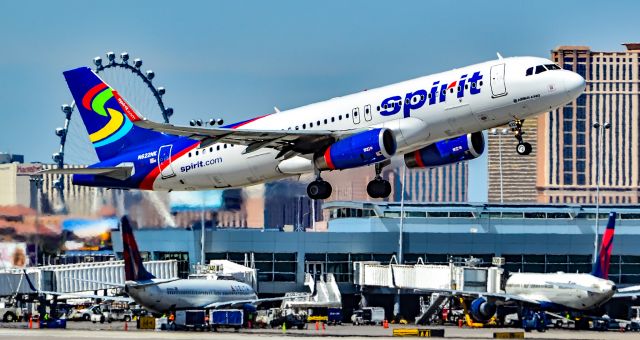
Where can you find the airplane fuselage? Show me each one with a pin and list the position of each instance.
(188, 294)
(561, 290)
(419, 112)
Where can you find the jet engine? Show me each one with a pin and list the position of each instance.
(482, 310)
(364, 148)
(447, 151)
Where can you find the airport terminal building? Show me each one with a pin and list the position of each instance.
(531, 238)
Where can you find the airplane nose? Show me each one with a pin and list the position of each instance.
(574, 84)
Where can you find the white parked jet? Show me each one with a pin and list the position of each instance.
(432, 121)
(166, 295)
(551, 291)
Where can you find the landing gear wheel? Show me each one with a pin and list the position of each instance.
(319, 189)
(523, 148)
(379, 188)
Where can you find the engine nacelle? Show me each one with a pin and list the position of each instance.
(482, 310)
(447, 151)
(364, 148)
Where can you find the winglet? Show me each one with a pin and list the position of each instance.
(601, 265)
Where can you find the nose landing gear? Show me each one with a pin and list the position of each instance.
(523, 148)
(378, 187)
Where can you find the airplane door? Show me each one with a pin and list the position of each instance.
(498, 87)
(367, 113)
(164, 154)
(355, 113)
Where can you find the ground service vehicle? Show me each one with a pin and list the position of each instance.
(334, 316)
(120, 314)
(10, 313)
(368, 316)
(189, 319)
(229, 318)
(289, 321)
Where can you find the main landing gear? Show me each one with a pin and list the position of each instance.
(523, 148)
(319, 189)
(378, 187)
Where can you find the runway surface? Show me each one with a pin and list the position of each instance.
(90, 331)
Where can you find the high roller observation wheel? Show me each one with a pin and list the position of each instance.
(133, 84)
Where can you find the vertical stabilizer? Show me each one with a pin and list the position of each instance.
(601, 266)
(133, 268)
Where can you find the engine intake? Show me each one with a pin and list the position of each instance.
(482, 310)
(364, 148)
(447, 151)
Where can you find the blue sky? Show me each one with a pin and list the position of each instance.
(238, 59)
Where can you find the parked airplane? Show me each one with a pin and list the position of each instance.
(551, 291)
(165, 295)
(432, 121)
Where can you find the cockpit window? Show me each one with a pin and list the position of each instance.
(540, 69)
(529, 71)
(551, 67)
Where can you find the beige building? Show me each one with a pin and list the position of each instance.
(568, 160)
(512, 177)
(15, 187)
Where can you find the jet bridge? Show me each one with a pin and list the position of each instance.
(427, 277)
(77, 277)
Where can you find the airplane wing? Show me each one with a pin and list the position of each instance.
(498, 296)
(628, 292)
(87, 296)
(289, 142)
(120, 172)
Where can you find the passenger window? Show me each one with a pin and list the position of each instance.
(326, 121)
(529, 71)
(211, 149)
(189, 154)
(346, 116)
(333, 119)
(225, 146)
(297, 128)
(304, 126)
(218, 147)
(318, 123)
(480, 83)
(196, 152)
(451, 90)
(540, 69)
(340, 117)
(310, 125)
(473, 85)
(429, 95)
(466, 86)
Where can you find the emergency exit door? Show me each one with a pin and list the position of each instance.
(498, 87)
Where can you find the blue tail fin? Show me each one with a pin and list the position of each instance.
(601, 266)
(107, 117)
(133, 268)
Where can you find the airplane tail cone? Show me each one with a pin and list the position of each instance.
(601, 265)
(133, 268)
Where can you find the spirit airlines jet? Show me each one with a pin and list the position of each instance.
(165, 295)
(552, 291)
(432, 121)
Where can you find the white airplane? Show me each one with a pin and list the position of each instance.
(168, 295)
(432, 121)
(551, 291)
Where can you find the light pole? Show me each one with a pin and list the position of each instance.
(600, 142)
(502, 132)
(396, 302)
(37, 182)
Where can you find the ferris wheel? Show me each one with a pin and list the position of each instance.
(134, 84)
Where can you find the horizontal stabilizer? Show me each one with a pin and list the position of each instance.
(119, 173)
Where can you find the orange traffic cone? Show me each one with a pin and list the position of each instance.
(126, 326)
(30, 323)
(324, 327)
(385, 324)
(460, 323)
(317, 325)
